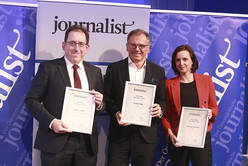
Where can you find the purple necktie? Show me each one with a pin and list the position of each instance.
(77, 82)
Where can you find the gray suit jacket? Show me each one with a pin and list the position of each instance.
(45, 102)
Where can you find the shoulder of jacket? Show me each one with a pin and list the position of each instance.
(202, 76)
(118, 63)
(154, 65)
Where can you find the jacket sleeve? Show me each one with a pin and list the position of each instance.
(167, 114)
(99, 88)
(212, 101)
(35, 96)
(111, 107)
(160, 92)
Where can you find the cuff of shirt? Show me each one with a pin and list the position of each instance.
(99, 108)
(50, 126)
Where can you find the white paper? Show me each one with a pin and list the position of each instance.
(78, 110)
(193, 126)
(137, 103)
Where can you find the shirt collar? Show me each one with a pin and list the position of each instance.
(69, 64)
(131, 64)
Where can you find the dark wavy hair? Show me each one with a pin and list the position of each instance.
(77, 28)
(192, 56)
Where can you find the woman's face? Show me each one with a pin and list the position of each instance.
(183, 62)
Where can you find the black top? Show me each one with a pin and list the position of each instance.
(188, 95)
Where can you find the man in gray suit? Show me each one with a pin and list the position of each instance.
(58, 145)
(127, 141)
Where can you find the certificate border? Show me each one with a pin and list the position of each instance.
(180, 127)
(124, 99)
(92, 112)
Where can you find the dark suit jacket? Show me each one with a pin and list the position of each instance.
(45, 101)
(114, 84)
(206, 96)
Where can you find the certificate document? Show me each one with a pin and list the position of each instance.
(137, 103)
(78, 110)
(193, 127)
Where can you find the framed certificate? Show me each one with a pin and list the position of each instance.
(193, 127)
(78, 110)
(137, 103)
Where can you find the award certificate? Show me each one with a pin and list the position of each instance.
(78, 110)
(137, 103)
(193, 127)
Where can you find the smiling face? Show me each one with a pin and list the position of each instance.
(75, 46)
(138, 46)
(183, 62)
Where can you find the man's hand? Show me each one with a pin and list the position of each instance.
(98, 98)
(59, 126)
(156, 110)
(118, 118)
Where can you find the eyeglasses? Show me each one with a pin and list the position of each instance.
(73, 44)
(134, 46)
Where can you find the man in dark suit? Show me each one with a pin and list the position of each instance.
(127, 141)
(58, 145)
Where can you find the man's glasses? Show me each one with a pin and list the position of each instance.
(73, 44)
(134, 46)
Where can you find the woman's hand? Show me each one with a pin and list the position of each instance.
(210, 114)
(173, 138)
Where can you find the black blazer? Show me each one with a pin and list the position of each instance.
(45, 102)
(114, 84)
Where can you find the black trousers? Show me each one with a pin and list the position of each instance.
(74, 153)
(134, 149)
(198, 156)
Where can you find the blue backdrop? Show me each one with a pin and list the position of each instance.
(220, 44)
(17, 45)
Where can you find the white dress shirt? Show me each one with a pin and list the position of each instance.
(81, 73)
(136, 75)
(82, 76)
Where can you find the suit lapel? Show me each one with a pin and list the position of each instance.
(175, 90)
(200, 87)
(89, 76)
(124, 72)
(63, 71)
(148, 73)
